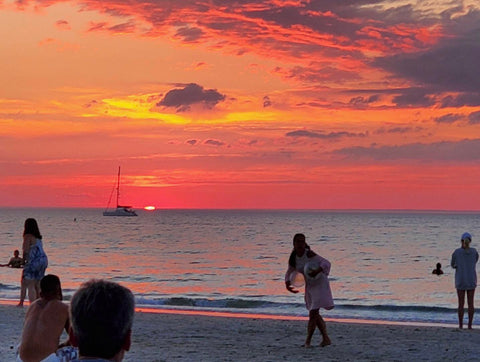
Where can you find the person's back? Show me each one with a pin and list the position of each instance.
(463, 261)
(37, 261)
(44, 322)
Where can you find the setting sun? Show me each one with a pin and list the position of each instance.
(149, 208)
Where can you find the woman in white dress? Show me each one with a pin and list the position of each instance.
(317, 287)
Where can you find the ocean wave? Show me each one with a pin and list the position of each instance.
(342, 311)
(288, 308)
(398, 308)
(227, 303)
(8, 286)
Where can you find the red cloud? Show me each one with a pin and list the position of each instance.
(312, 35)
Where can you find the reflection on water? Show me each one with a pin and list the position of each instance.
(377, 258)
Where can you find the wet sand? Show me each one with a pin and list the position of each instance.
(193, 337)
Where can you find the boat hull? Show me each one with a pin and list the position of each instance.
(120, 212)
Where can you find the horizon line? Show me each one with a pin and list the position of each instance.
(255, 209)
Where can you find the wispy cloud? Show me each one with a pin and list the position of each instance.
(326, 136)
(464, 151)
(63, 25)
(216, 143)
(449, 118)
(474, 117)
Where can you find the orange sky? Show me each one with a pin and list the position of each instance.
(251, 104)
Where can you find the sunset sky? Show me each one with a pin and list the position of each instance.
(314, 104)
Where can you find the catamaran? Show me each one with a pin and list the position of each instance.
(120, 210)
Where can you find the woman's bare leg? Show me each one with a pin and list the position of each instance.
(37, 289)
(461, 303)
(471, 307)
(312, 324)
(323, 330)
(32, 291)
(23, 292)
(315, 320)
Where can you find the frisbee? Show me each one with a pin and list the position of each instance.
(297, 280)
(312, 266)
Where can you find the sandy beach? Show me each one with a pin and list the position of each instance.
(177, 337)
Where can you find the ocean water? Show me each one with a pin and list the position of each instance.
(235, 260)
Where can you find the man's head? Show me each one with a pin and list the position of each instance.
(16, 253)
(50, 287)
(101, 316)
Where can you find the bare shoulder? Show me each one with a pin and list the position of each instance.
(60, 305)
(33, 309)
(28, 240)
(57, 309)
(35, 304)
(28, 237)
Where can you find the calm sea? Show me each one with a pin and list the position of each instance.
(226, 260)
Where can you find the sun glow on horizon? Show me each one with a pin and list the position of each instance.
(149, 208)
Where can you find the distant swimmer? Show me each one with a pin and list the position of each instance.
(438, 270)
(15, 261)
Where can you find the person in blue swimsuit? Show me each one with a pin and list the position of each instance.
(36, 261)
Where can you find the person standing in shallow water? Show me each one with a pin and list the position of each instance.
(36, 261)
(317, 287)
(464, 260)
(15, 261)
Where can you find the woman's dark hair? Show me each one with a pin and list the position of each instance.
(298, 237)
(31, 227)
(291, 260)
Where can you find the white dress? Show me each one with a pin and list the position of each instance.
(317, 290)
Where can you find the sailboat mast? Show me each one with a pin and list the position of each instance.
(118, 184)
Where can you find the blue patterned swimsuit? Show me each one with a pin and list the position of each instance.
(37, 262)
